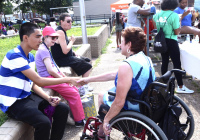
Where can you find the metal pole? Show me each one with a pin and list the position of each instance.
(83, 21)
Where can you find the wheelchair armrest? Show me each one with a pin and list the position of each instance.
(157, 84)
(112, 93)
(178, 70)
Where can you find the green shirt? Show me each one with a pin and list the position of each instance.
(171, 24)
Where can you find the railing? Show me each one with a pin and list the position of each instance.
(102, 18)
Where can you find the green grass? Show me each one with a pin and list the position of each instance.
(3, 117)
(78, 32)
(104, 49)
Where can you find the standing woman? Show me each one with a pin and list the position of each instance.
(118, 23)
(171, 29)
(186, 19)
(46, 67)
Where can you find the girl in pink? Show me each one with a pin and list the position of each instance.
(46, 67)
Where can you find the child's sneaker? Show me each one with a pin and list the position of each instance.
(88, 88)
(184, 89)
(81, 90)
(80, 124)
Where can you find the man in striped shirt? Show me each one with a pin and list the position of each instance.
(18, 78)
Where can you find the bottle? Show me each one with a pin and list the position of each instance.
(197, 39)
(188, 38)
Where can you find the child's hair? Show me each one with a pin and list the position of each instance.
(27, 29)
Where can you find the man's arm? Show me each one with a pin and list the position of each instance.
(41, 81)
(62, 41)
(52, 100)
(144, 11)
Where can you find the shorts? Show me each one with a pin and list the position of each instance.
(79, 65)
(108, 100)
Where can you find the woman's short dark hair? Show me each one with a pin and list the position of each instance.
(27, 29)
(136, 36)
(169, 4)
(52, 19)
(180, 1)
(62, 17)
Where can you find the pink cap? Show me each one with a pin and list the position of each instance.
(48, 30)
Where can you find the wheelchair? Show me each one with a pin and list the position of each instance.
(144, 125)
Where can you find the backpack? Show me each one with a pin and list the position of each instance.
(160, 44)
(171, 125)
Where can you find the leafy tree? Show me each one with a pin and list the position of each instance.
(41, 6)
(6, 7)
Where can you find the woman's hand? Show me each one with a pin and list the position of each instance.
(106, 128)
(73, 39)
(54, 101)
(84, 81)
(74, 81)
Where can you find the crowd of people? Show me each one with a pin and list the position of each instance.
(22, 98)
(11, 30)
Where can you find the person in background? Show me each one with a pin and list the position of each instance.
(4, 29)
(65, 57)
(53, 23)
(171, 29)
(16, 31)
(118, 23)
(1, 24)
(187, 17)
(151, 26)
(10, 31)
(134, 9)
(46, 67)
(22, 98)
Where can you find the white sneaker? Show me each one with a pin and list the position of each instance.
(88, 88)
(184, 89)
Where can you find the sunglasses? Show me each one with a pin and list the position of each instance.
(54, 37)
(68, 21)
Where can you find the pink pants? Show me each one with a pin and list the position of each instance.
(71, 94)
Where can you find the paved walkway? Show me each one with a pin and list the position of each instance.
(110, 62)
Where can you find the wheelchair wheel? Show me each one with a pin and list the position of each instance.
(132, 126)
(186, 117)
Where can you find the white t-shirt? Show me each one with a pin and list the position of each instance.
(10, 32)
(53, 25)
(132, 16)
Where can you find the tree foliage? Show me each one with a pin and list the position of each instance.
(41, 6)
(6, 7)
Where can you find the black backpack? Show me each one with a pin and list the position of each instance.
(171, 124)
(160, 44)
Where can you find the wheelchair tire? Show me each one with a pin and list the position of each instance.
(132, 123)
(189, 131)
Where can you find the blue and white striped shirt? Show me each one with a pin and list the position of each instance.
(14, 85)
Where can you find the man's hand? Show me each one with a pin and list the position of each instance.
(54, 101)
(74, 81)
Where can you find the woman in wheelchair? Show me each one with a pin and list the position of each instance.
(133, 76)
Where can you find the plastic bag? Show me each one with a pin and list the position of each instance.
(89, 105)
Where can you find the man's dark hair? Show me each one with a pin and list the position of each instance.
(62, 17)
(180, 1)
(27, 29)
(169, 4)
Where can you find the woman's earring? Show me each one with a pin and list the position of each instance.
(128, 51)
